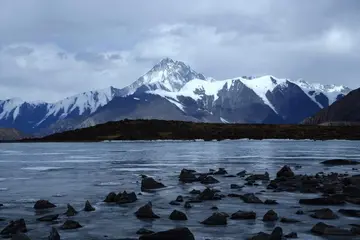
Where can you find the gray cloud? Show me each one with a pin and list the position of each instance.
(51, 49)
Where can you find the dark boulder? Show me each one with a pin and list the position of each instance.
(146, 212)
(88, 207)
(340, 162)
(250, 198)
(239, 215)
(216, 219)
(322, 201)
(260, 236)
(48, 218)
(236, 186)
(178, 216)
(150, 184)
(208, 194)
(187, 205)
(144, 231)
(179, 199)
(270, 216)
(256, 177)
(43, 204)
(241, 174)
(110, 197)
(54, 235)
(209, 180)
(70, 224)
(173, 234)
(125, 198)
(20, 236)
(70, 211)
(328, 230)
(285, 172)
(14, 227)
(221, 171)
(188, 176)
(299, 212)
(291, 235)
(350, 212)
(288, 220)
(270, 202)
(277, 234)
(194, 191)
(324, 213)
(174, 203)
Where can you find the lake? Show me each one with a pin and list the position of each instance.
(75, 172)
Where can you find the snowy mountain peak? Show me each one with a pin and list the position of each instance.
(168, 75)
(323, 87)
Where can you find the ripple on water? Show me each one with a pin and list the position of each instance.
(109, 184)
(136, 169)
(44, 168)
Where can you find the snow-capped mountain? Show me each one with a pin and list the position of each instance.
(173, 90)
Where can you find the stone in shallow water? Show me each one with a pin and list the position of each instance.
(250, 198)
(270, 202)
(322, 201)
(43, 204)
(20, 236)
(188, 176)
(286, 172)
(88, 207)
(236, 186)
(221, 171)
(277, 234)
(270, 216)
(324, 213)
(174, 203)
(261, 236)
(14, 227)
(110, 197)
(339, 162)
(241, 174)
(194, 191)
(146, 212)
(172, 234)
(289, 220)
(256, 177)
(209, 180)
(125, 198)
(350, 212)
(144, 231)
(216, 219)
(70, 211)
(243, 215)
(179, 198)
(328, 230)
(187, 205)
(291, 235)
(48, 218)
(54, 235)
(70, 224)
(150, 184)
(178, 216)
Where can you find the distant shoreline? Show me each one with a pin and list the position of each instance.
(178, 130)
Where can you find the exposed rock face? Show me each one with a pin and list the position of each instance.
(146, 212)
(150, 184)
(243, 215)
(285, 172)
(48, 218)
(121, 198)
(14, 226)
(270, 216)
(70, 224)
(173, 234)
(88, 207)
(178, 216)
(328, 230)
(43, 204)
(216, 219)
(70, 211)
(110, 197)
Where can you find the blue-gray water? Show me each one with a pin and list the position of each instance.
(74, 172)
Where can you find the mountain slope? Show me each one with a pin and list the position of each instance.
(343, 111)
(9, 134)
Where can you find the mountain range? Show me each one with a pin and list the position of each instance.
(172, 90)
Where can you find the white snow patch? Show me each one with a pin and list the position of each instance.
(135, 98)
(223, 120)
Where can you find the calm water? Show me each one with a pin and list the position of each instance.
(74, 172)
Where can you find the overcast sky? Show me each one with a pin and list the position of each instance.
(53, 49)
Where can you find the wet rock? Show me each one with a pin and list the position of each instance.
(234, 195)
(235, 186)
(261, 236)
(110, 197)
(178, 216)
(209, 180)
(241, 174)
(125, 198)
(229, 176)
(288, 220)
(1, 205)
(174, 203)
(276, 234)
(173, 234)
(150, 184)
(299, 212)
(88, 207)
(144, 231)
(256, 177)
(146, 212)
(43, 204)
(270, 202)
(291, 235)
(328, 230)
(209, 194)
(350, 212)
(355, 230)
(221, 171)
(243, 215)
(250, 198)
(70, 211)
(48, 218)
(214, 208)
(54, 235)
(286, 172)
(351, 191)
(20, 236)
(188, 176)
(179, 199)
(194, 191)
(187, 205)
(324, 213)
(270, 216)
(322, 201)
(70, 224)
(14, 227)
(216, 219)
(339, 162)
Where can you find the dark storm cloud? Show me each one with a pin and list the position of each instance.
(63, 47)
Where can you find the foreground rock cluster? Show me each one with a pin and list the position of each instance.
(333, 190)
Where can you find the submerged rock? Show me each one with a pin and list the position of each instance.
(270, 202)
(48, 218)
(324, 213)
(14, 227)
(150, 184)
(221, 171)
(339, 162)
(144, 231)
(250, 198)
(146, 212)
(174, 203)
(70, 211)
(173, 234)
(187, 205)
(236, 186)
(54, 235)
(188, 176)
(88, 207)
(288, 220)
(277, 234)
(178, 216)
(179, 199)
(328, 230)
(286, 172)
(70, 224)
(241, 174)
(350, 212)
(260, 236)
(239, 215)
(270, 216)
(322, 201)
(291, 235)
(20, 236)
(209, 180)
(43, 204)
(216, 219)
(209, 194)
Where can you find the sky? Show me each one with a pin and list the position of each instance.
(53, 49)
